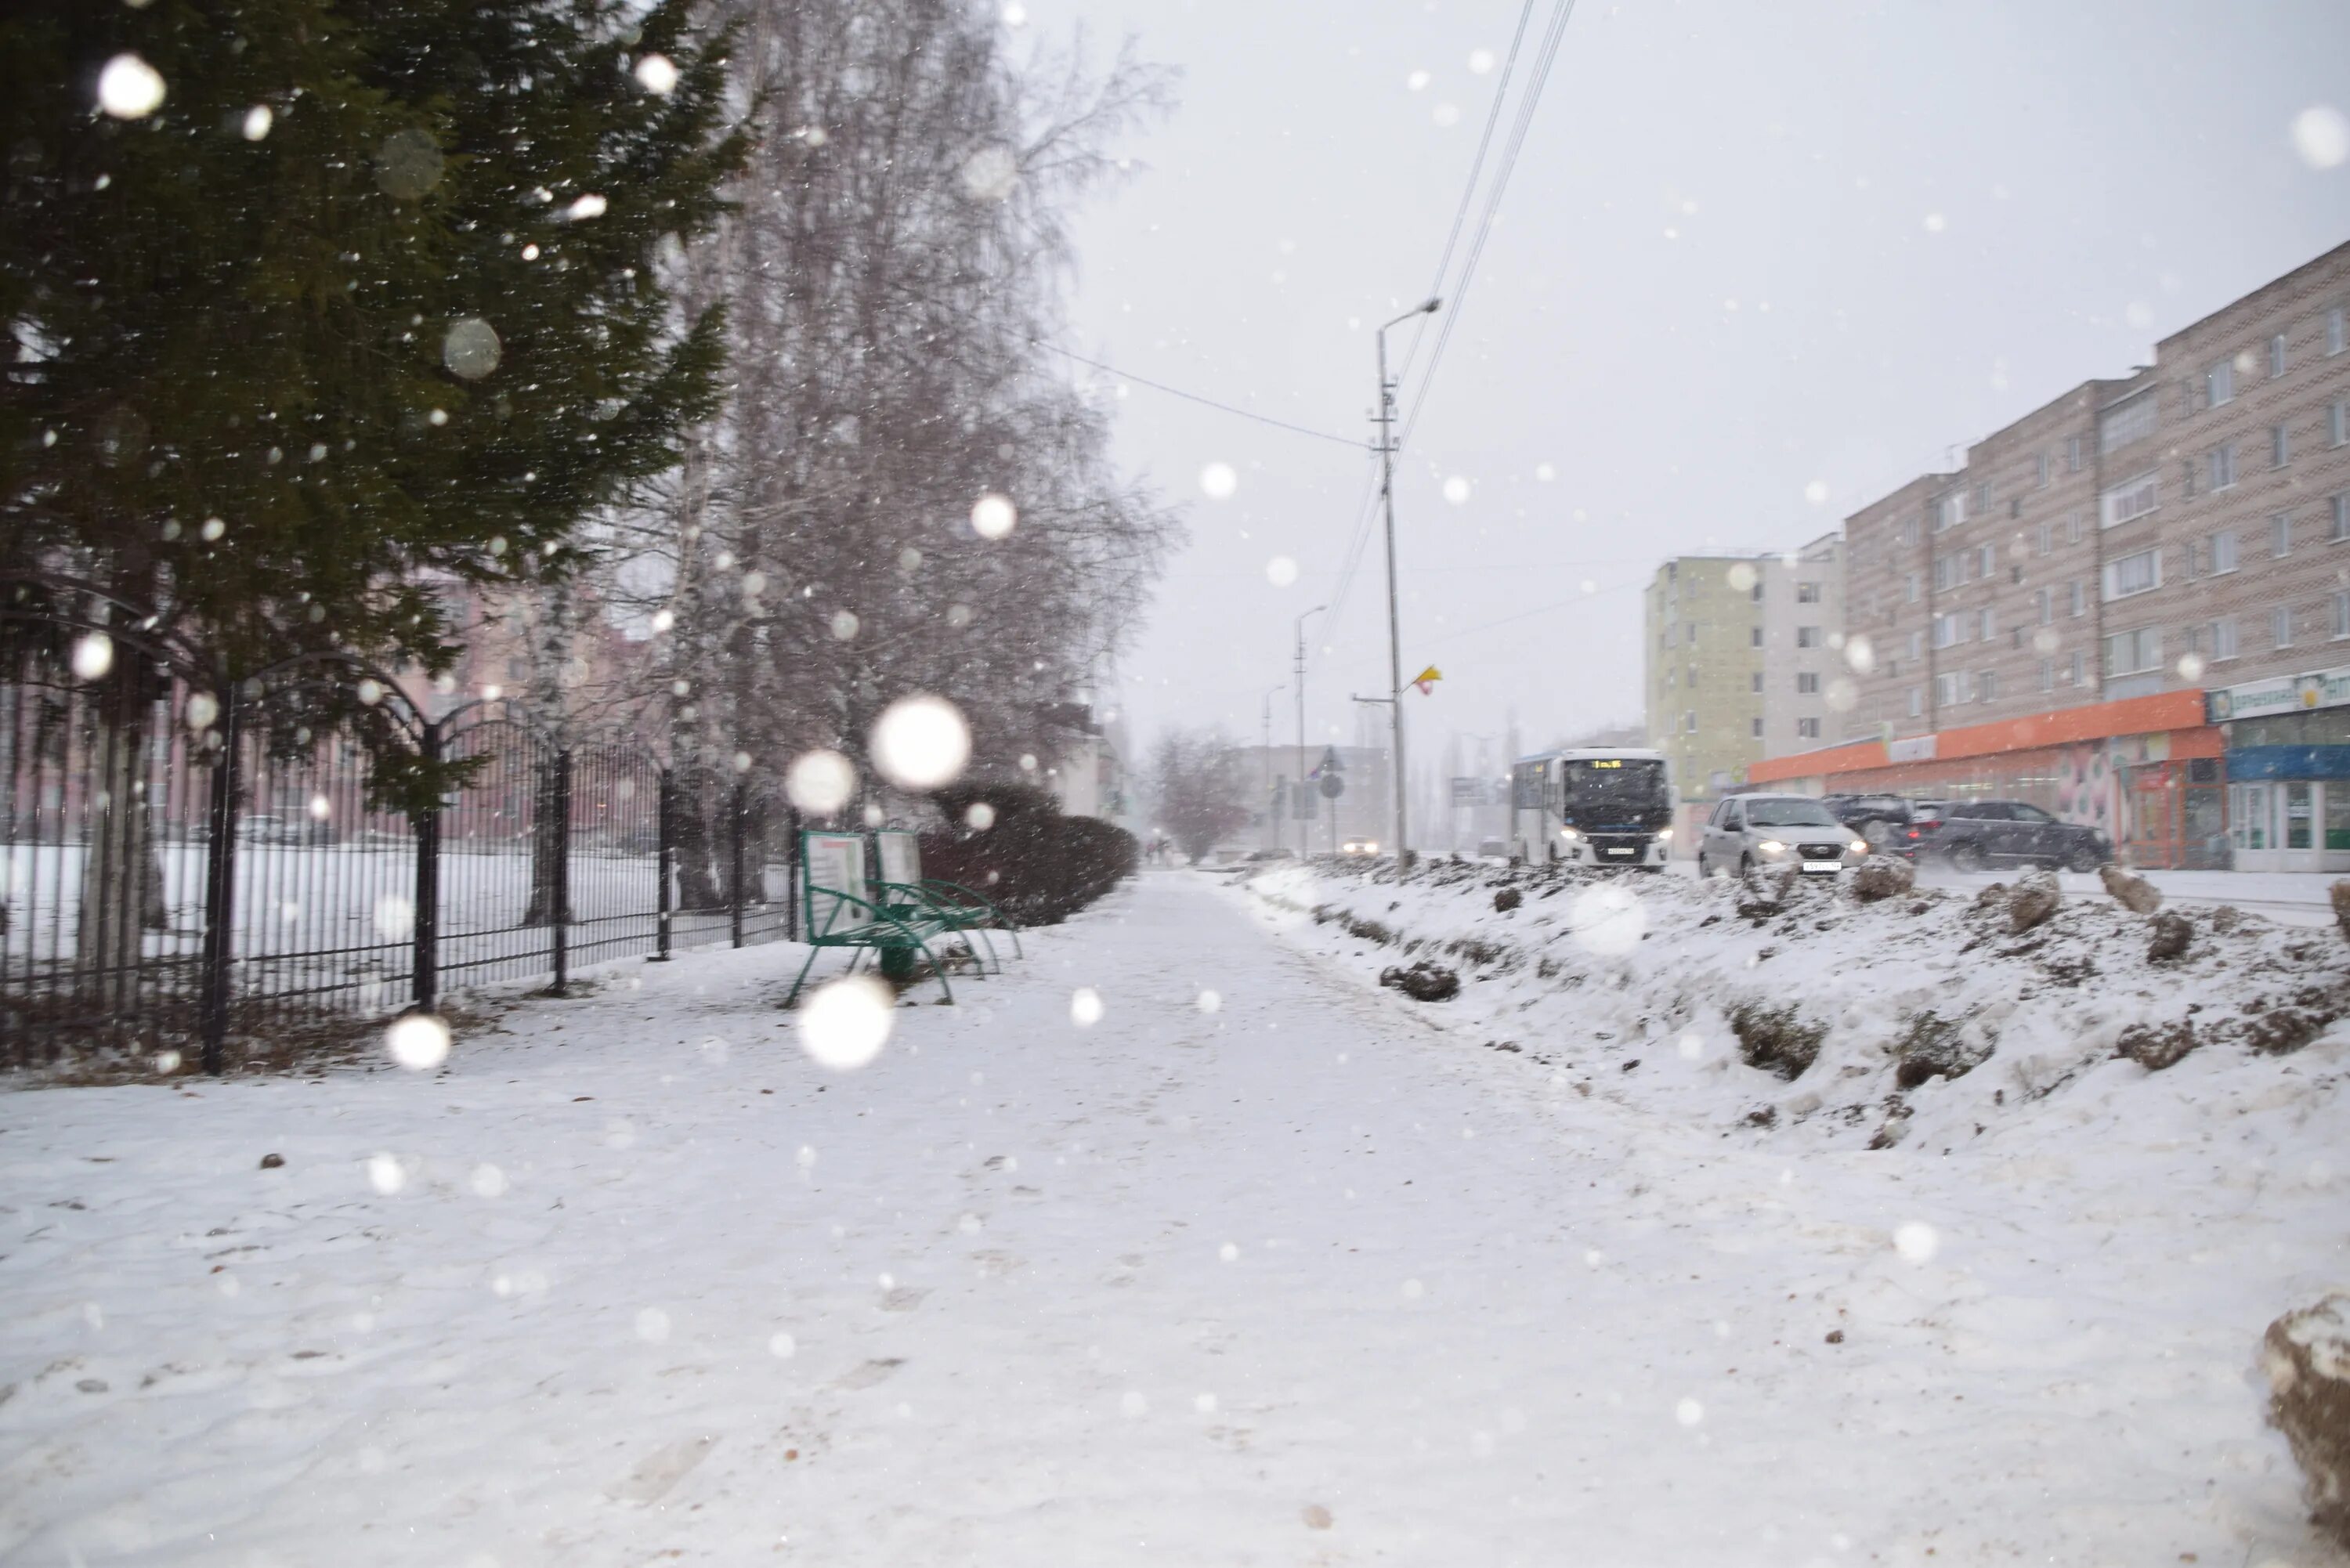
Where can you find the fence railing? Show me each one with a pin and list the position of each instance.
(184, 866)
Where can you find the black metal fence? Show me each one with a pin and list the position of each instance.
(185, 866)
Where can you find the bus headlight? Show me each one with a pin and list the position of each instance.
(1569, 834)
(1771, 847)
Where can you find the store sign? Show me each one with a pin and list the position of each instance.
(1915, 749)
(2286, 694)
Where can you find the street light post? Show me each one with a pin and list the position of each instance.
(1269, 807)
(1395, 638)
(1305, 840)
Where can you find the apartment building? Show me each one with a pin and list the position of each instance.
(2045, 619)
(1743, 660)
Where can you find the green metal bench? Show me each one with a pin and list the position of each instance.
(904, 890)
(843, 909)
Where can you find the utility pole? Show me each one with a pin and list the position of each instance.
(1395, 635)
(1270, 804)
(1305, 824)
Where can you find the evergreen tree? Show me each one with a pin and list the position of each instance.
(369, 297)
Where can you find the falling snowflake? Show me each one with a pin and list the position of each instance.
(1917, 1241)
(129, 89)
(657, 74)
(1281, 571)
(993, 517)
(1086, 1007)
(2321, 134)
(844, 1024)
(1217, 481)
(920, 742)
(418, 1040)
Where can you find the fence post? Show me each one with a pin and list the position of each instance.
(664, 830)
(426, 961)
(220, 889)
(792, 823)
(559, 910)
(735, 837)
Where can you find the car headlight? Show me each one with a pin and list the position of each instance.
(1859, 847)
(1569, 834)
(1770, 846)
(1371, 848)
(1663, 834)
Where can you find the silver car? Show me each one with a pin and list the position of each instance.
(1757, 832)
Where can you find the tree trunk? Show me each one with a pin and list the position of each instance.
(120, 877)
(549, 842)
(697, 886)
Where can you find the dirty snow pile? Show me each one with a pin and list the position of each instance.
(1926, 1016)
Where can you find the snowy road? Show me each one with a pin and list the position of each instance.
(1303, 1279)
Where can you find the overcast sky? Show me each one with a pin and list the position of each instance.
(1756, 265)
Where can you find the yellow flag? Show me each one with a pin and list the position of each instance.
(1427, 679)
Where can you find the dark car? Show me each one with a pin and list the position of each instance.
(1890, 824)
(1980, 832)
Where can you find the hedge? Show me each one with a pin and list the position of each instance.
(1040, 866)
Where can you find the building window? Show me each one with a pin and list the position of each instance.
(2075, 670)
(1689, 723)
(1916, 701)
(2043, 606)
(2072, 528)
(2134, 574)
(2220, 384)
(2280, 447)
(1808, 636)
(2276, 356)
(2133, 652)
(2122, 424)
(1986, 562)
(2281, 536)
(1689, 633)
(2223, 553)
(2280, 627)
(1946, 630)
(1755, 593)
(1757, 728)
(2223, 466)
(2040, 461)
(2338, 422)
(1807, 683)
(1983, 497)
(2223, 639)
(1946, 572)
(1987, 686)
(2047, 538)
(2337, 331)
(1756, 680)
(2340, 617)
(1909, 588)
(1753, 636)
(2337, 527)
(2073, 455)
(1956, 687)
(1950, 511)
(1691, 681)
(1807, 729)
(2048, 675)
(1807, 593)
(2130, 500)
(1989, 623)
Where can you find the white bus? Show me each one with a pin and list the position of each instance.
(1592, 807)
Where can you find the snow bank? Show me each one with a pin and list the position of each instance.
(1928, 1017)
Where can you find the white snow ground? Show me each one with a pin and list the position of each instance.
(1308, 1279)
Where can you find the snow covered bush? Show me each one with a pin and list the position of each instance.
(2306, 1354)
(1038, 865)
(2035, 898)
(2133, 893)
(1776, 1039)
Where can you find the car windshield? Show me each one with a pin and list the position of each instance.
(1789, 814)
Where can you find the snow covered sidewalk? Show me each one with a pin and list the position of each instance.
(1296, 1274)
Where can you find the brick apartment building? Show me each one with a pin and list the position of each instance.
(1744, 661)
(2046, 621)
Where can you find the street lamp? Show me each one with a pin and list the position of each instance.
(1269, 810)
(1304, 843)
(1395, 639)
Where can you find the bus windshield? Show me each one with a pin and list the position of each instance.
(1611, 787)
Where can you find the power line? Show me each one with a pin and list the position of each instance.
(1194, 397)
(1547, 57)
(1476, 167)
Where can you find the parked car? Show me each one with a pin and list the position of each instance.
(1891, 824)
(1755, 832)
(1359, 846)
(1980, 832)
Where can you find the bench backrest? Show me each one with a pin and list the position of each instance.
(833, 864)
(900, 857)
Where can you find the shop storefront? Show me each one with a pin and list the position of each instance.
(2288, 756)
(2149, 772)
